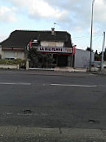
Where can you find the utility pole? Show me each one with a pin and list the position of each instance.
(91, 36)
(102, 57)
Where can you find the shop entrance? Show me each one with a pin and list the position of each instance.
(61, 60)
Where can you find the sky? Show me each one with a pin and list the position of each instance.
(73, 16)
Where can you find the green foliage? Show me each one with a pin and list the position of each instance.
(98, 55)
(33, 53)
(89, 49)
(11, 62)
(97, 58)
(38, 59)
(47, 60)
(34, 56)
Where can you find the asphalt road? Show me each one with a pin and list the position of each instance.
(52, 100)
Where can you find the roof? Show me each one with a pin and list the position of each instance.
(20, 38)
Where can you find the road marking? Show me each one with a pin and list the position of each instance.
(74, 85)
(14, 83)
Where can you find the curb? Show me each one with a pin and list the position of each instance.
(99, 73)
(59, 69)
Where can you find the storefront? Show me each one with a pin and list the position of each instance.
(56, 44)
(62, 56)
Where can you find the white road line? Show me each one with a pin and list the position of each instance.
(14, 83)
(74, 85)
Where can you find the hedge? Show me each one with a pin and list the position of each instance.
(11, 62)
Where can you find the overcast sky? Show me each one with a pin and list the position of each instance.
(72, 16)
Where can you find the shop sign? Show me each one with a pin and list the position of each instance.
(54, 49)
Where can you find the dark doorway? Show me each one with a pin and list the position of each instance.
(62, 60)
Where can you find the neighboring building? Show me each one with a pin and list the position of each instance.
(56, 43)
(82, 58)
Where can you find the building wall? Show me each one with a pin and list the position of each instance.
(52, 44)
(70, 61)
(82, 58)
(13, 54)
(3, 66)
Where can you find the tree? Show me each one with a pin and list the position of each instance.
(97, 56)
(38, 59)
(89, 49)
(35, 57)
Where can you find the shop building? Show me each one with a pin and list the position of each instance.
(82, 58)
(56, 43)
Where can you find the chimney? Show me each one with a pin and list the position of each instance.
(52, 31)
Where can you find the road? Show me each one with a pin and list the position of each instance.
(52, 100)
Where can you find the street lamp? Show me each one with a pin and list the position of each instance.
(91, 36)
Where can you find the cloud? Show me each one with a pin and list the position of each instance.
(73, 14)
(39, 8)
(7, 14)
(42, 9)
(18, 3)
(100, 11)
(3, 37)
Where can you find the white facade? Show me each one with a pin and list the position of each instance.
(82, 58)
(13, 55)
(52, 44)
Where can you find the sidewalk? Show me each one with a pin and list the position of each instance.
(64, 69)
(70, 70)
(100, 73)
(103, 72)
(35, 134)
